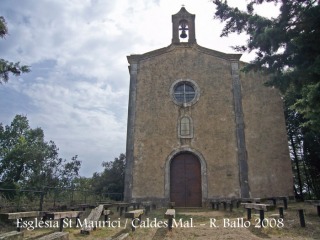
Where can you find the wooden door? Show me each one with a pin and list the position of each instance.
(185, 181)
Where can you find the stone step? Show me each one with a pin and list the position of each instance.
(55, 236)
(11, 235)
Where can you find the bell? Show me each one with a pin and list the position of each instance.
(183, 34)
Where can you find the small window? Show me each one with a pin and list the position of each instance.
(185, 126)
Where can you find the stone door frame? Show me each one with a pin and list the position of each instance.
(203, 164)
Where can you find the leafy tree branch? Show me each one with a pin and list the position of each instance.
(7, 67)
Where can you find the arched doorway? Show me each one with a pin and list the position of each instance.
(185, 180)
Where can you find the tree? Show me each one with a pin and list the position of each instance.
(287, 49)
(7, 67)
(70, 171)
(28, 161)
(111, 180)
(83, 183)
(304, 150)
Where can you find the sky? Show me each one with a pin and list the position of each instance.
(77, 90)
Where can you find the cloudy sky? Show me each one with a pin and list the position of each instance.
(77, 91)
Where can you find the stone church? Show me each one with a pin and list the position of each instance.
(199, 128)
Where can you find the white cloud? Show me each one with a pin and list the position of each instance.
(88, 119)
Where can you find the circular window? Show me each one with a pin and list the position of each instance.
(184, 92)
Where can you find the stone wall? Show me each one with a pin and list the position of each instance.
(270, 172)
(156, 117)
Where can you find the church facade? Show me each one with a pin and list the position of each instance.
(199, 128)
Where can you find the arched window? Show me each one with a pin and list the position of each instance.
(185, 127)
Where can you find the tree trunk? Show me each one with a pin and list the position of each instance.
(296, 161)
